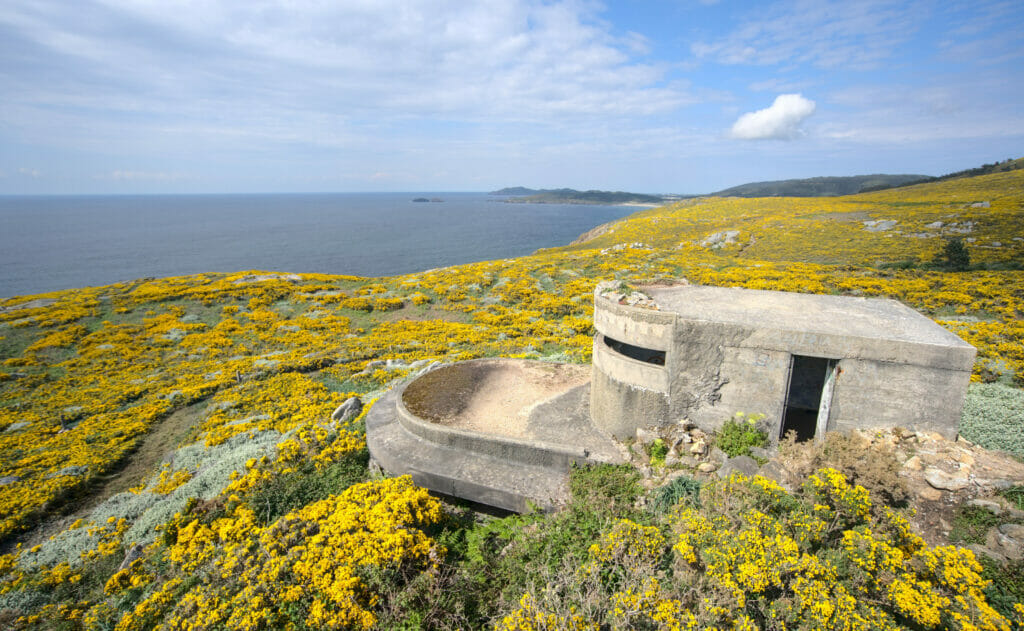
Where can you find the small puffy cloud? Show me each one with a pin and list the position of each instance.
(780, 121)
(29, 172)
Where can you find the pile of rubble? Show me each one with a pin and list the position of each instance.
(938, 474)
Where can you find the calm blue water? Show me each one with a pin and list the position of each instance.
(50, 243)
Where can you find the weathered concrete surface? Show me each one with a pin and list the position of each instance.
(508, 473)
(729, 350)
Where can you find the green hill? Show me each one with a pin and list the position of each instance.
(819, 186)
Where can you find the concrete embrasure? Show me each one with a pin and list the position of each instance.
(497, 470)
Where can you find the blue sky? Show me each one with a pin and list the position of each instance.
(683, 96)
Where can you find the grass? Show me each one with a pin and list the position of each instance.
(308, 484)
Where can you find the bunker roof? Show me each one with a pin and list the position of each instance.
(879, 318)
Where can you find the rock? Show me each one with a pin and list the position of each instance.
(671, 460)
(686, 424)
(347, 410)
(646, 436)
(980, 551)
(913, 464)
(774, 471)
(739, 464)
(686, 438)
(964, 458)
(717, 455)
(928, 493)
(374, 365)
(760, 452)
(698, 448)
(9, 479)
(13, 427)
(74, 471)
(133, 554)
(935, 225)
(687, 460)
(1013, 530)
(879, 225)
(939, 479)
(1007, 540)
(706, 467)
(989, 505)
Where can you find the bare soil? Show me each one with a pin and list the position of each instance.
(494, 397)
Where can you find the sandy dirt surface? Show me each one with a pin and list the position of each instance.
(505, 393)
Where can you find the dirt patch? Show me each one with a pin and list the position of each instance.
(417, 313)
(848, 217)
(494, 397)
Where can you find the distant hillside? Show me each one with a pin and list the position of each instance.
(996, 167)
(821, 186)
(516, 190)
(572, 196)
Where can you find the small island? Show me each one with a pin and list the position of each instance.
(424, 199)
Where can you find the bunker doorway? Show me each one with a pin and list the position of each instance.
(809, 396)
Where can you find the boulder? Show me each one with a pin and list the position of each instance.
(774, 471)
(133, 554)
(989, 505)
(347, 410)
(941, 480)
(706, 467)
(1007, 540)
(738, 464)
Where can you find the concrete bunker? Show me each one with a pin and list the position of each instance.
(810, 363)
(505, 432)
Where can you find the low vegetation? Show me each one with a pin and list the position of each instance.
(265, 515)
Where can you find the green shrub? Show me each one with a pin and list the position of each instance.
(657, 451)
(1007, 586)
(681, 489)
(283, 493)
(993, 417)
(971, 524)
(740, 433)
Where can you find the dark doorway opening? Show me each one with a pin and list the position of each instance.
(808, 377)
(639, 353)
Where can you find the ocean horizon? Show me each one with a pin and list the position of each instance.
(56, 242)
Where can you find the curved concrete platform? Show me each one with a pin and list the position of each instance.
(508, 472)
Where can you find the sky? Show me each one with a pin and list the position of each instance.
(658, 96)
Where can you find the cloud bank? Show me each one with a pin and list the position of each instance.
(781, 121)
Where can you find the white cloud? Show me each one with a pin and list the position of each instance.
(519, 59)
(33, 173)
(780, 121)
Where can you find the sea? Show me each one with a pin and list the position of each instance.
(49, 243)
